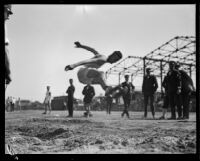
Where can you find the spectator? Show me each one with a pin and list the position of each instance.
(7, 13)
(149, 87)
(70, 92)
(166, 97)
(88, 93)
(186, 90)
(47, 101)
(109, 100)
(19, 104)
(174, 89)
(127, 94)
(12, 105)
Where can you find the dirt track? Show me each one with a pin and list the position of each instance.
(30, 132)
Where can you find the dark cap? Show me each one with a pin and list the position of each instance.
(8, 7)
(148, 69)
(126, 76)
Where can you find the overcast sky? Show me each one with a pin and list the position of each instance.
(42, 40)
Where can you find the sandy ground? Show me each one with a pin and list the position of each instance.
(30, 132)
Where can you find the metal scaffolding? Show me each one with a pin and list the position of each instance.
(180, 49)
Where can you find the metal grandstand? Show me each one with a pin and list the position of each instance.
(180, 49)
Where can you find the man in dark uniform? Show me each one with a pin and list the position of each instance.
(149, 87)
(174, 89)
(70, 98)
(88, 93)
(127, 94)
(166, 97)
(186, 90)
(7, 13)
(109, 100)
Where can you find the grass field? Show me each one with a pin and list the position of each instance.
(30, 132)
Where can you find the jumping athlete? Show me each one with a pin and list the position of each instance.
(90, 73)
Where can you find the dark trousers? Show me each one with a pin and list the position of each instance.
(70, 107)
(166, 102)
(127, 102)
(185, 102)
(109, 106)
(175, 101)
(12, 107)
(146, 98)
(7, 66)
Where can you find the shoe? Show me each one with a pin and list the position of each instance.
(185, 118)
(44, 113)
(171, 118)
(179, 118)
(144, 117)
(162, 118)
(68, 67)
(122, 115)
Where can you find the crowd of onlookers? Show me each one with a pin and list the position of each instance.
(11, 104)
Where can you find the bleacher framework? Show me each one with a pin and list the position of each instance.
(180, 49)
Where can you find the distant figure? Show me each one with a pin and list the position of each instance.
(47, 101)
(70, 92)
(8, 104)
(128, 89)
(149, 87)
(7, 13)
(88, 93)
(90, 73)
(12, 104)
(19, 104)
(109, 100)
(166, 97)
(174, 89)
(186, 90)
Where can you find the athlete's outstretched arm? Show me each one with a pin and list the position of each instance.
(79, 45)
(85, 62)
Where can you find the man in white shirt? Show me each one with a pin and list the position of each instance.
(47, 101)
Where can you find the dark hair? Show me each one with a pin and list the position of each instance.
(148, 69)
(172, 62)
(118, 53)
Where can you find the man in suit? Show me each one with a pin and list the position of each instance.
(174, 89)
(186, 90)
(128, 89)
(109, 100)
(149, 87)
(166, 97)
(88, 93)
(70, 98)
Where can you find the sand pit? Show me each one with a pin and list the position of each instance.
(30, 132)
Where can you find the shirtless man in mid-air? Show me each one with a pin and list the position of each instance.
(90, 73)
